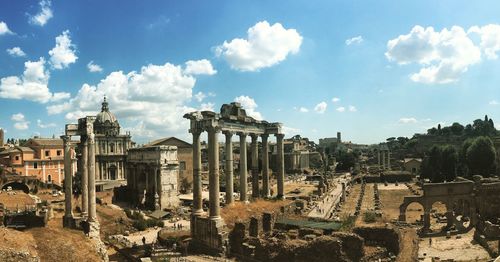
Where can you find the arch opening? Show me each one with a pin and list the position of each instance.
(17, 186)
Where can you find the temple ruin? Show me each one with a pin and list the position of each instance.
(207, 231)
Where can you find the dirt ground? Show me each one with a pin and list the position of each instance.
(242, 211)
(464, 249)
(15, 199)
(350, 204)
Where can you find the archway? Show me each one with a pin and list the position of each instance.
(112, 172)
(17, 186)
(439, 218)
(414, 213)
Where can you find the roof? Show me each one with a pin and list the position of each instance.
(170, 141)
(16, 149)
(412, 159)
(159, 214)
(46, 141)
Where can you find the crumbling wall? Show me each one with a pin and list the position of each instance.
(388, 237)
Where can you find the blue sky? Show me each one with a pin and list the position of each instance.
(396, 69)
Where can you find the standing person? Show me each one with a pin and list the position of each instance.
(143, 240)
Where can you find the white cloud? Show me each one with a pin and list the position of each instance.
(354, 40)
(335, 99)
(17, 117)
(408, 120)
(32, 85)
(444, 56)
(199, 67)
(16, 52)
(494, 103)
(352, 109)
(63, 54)
(250, 106)
(44, 15)
(150, 102)
(340, 109)
(20, 121)
(199, 96)
(94, 67)
(42, 125)
(4, 29)
(303, 110)
(207, 107)
(490, 39)
(290, 131)
(320, 108)
(265, 46)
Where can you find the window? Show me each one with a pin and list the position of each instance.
(49, 178)
(47, 153)
(182, 165)
(17, 158)
(58, 152)
(35, 165)
(111, 147)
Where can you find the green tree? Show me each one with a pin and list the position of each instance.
(481, 156)
(431, 165)
(449, 161)
(457, 129)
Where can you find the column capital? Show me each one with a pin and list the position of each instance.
(195, 131)
(264, 136)
(215, 129)
(228, 133)
(65, 138)
(254, 136)
(280, 136)
(242, 134)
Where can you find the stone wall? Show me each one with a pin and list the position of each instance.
(388, 237)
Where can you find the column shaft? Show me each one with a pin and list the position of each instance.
(243, 167)
(229, 169)
(265, 166)
(197, 196)
(255, 166)
(85, 177)
(213, 175)
(383, 160)
(281, 166)
(68, 178)
(91, 181)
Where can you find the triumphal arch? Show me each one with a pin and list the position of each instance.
(207, 230)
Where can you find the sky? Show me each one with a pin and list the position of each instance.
(369, 69)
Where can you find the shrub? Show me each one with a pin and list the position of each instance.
(370, 217)
(140, 224)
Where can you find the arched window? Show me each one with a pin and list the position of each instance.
(112, 148)
(49, 178)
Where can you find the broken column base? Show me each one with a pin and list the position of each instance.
(94, 229)
(209, 235)
(69, 222)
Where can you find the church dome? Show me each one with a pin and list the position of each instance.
(105, 115)
(106, 122)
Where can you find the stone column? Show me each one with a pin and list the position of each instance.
(156, 196)
(265, 166)
(389, 160)
(383, 160)
(243, 167)
(281, 166)
(68, 183)
(91, 174)
(229, 168)
(255, 166)
(213, 174)
(197, 196)
(85, 176)
(378, 158)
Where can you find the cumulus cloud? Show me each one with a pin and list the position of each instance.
(490, 39)
(32, 85)
(444, 55)
(340, 109)
(63, 54)
(354, 40)
(44, 125)
(20, 121)
(94, 67)
(16, 52)
(290, 131)
(335, 99)
(264, 46)
(44, 15)
(199, 96)
(199, 67)
(303, 109)
(250, 106)
(407, 120)
(352, 109)
(320, 108)
(4, 29)
(150, 102)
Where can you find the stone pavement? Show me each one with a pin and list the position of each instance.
(326, 205)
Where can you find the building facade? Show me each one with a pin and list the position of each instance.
(110, 150)
(42, 158)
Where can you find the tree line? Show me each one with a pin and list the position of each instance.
(477, 156)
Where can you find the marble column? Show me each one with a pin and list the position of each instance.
(255, 166)
(68, 182)
(389, 160)
(383, 160)
(229, 168)
(156, 196)
(85, 176)
(265, 165)
(91, 180)
(378, 158)
(281, 166)
(213, 173)
(197, 187)
(243, 167)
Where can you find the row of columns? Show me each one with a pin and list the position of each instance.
(385, 162)
(87, 159)
(213, 165)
